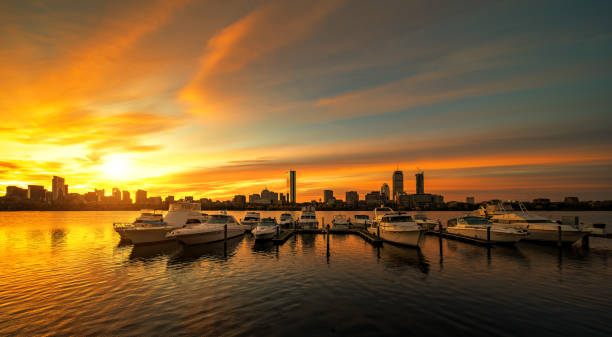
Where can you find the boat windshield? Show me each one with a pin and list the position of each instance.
(397, 218)
(420, 217)
(476, 221)
(362, 217)
(218, 218)
(251, 218)
(308, 217)
(185, 206)
(267, 222)
(285, 216)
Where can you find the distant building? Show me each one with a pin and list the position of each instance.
(90, 197)
(571, 200)
(470, 200)
(283, 199)
(36, 193)
(116, 194)
(420, 183)
(189, 198)
(155, 201)
(385, 192)
(57, 188)
(398, 184)
(125, 197)
(291, 196)
(254, 198)
(352, 198)
(327, 195)
(421, 201)
(541, 201)
(65, 190)
(169, 199)
(100, 195)
(141, 197)
(373, 198)
(268, 197)
(239, 200)
(17, 193)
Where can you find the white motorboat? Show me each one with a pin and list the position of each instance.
(250, 221)
(428, 224)
(340, 222)
(266, 229)
(179, 214)
(360, 221)
(477, 228)
(286, 220)
(308, 218)
(210, 231)
(145, 217)
(539, 228)
(492, 209)
(398, 227)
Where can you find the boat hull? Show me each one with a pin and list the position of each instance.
(145, 235)
(481, 233)
(340, 227)
(264, 236)
(543, 235)
(208, 236)
(309, 225)
(407, 238)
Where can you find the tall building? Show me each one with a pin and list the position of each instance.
(57, 188)
(254, 198)
(116, 194)
(469, 200)
(352, 198)
(239, 200)
(169, 199)
(36, 193)
(14, 192)
(420, 183)
(398, 184)
(141, 197)
(126, 197)
(291, 197)
(99, 195)
(328, 195)
(385, 192)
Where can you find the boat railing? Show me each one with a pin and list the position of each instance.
(123, 224)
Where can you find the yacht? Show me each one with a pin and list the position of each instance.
(210, 231)
(425, 222)
(308, 218)
(266, 229)
(539, 228)
(250, 220)
(145, 217)
(146, 230)
(398, 227)
(491, 209)
(340, 222)
(476, 227)
(380, 211)
(286, 220)
(361, 221)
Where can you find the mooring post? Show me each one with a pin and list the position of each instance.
(225, 240)
(559, 242)
(378, 230)
(585, 241)
(323, 223)
(277, 231)
(488, 233)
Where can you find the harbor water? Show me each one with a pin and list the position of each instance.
(66, 273)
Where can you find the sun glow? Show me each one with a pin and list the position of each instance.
(117, 167)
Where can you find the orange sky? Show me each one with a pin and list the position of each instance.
(214, 99)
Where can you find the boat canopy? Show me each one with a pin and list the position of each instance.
(219, 218)
(362, 216)
(474, 220)
(185, 206)
(397, 218)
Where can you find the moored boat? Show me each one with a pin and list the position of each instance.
(474, 227)
(539, 228)
(340, 222)
(398, 227)
(360, 221)
(428, 224)
(210, 231)
(286, 220)
(308, 218)
(266, 229)
(250, 220)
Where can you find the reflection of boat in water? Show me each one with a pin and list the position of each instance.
(264, 246)
(396, 257)
(215, 251)
(147, 252)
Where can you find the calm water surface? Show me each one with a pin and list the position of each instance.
(65, 273)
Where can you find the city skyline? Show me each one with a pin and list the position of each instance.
(193, 98)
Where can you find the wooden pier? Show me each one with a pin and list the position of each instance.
(285, 234)
(448, 235)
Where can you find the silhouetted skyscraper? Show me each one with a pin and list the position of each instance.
(36, 193)
(420, 183)
(385, 192)
(327, 195)
(57, 188)
(116, 194)
(141, 197)
(398, 184)
(126, 197)
(291, 187)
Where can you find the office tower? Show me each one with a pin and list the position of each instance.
(385, 191)
(36, 193)
(141, 197)
(99, 195)
(328, 195)
(57, 188)
(126, 197)
(116, 194)
(291, 187)
(398, 184)
(352, 198)
(14, 192)
(420, 183)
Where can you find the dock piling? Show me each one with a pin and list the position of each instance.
(277, 231)
(559, 242)
(585, 241)
(378, 231)
(489, 233)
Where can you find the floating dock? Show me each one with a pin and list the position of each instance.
(448, 235)
(285, 234)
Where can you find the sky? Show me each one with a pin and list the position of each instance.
(492, 99)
